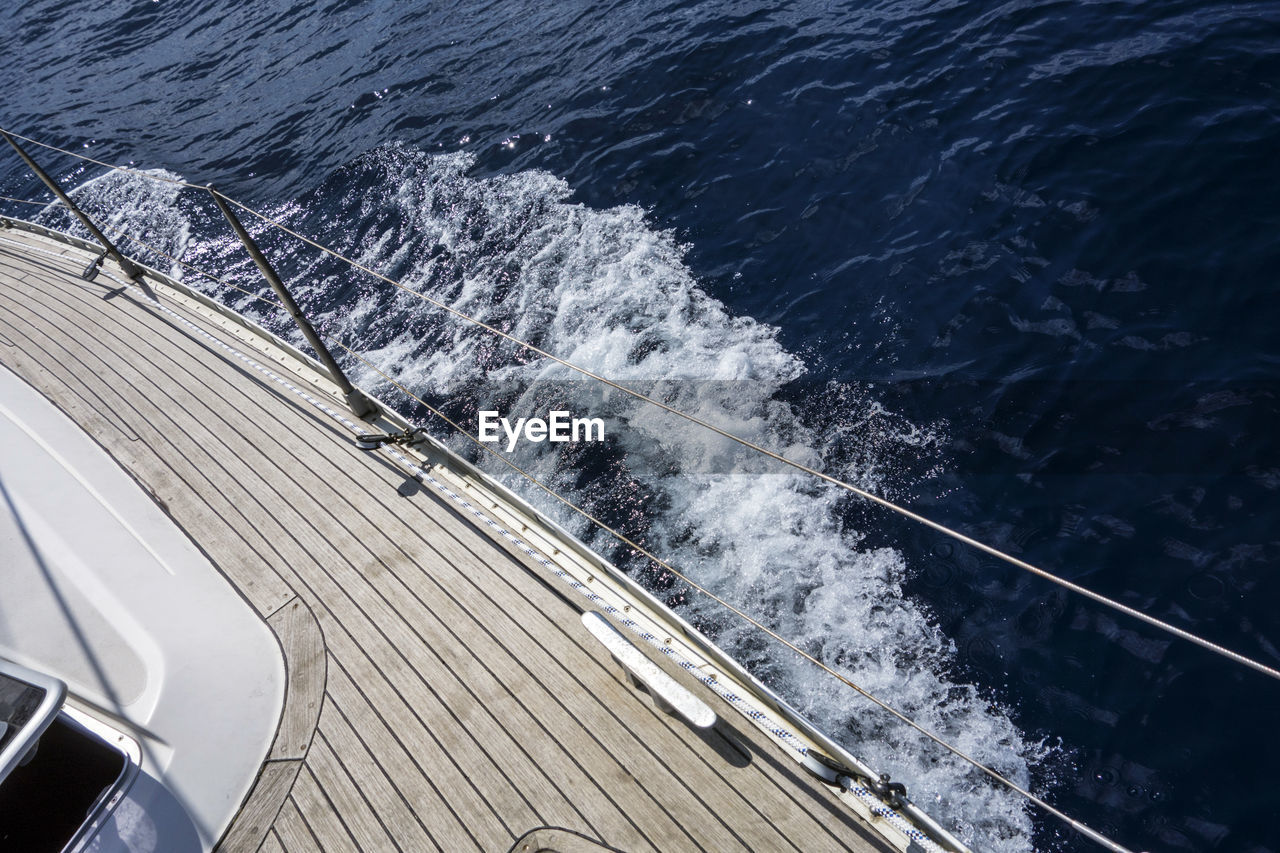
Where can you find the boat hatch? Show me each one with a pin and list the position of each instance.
(57, 774)
(29, 701)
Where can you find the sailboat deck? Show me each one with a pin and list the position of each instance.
(442, 690)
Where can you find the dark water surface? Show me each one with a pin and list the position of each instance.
(1014, 264)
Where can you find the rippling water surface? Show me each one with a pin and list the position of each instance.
(1013, 264)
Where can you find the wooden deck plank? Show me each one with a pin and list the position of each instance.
(347, 798)
(525, 649)
(210, 465)
(463, 706)
(531, 780)
(568, 819)
(373, 533)
(504, 687)
(271, 844)
(385, 550)
(400, 819)
(501, 703)
(422, 772)
(294, 834)
(304, 656)
(320, 813)
(261, 807)
(434, 729)
(785, 813)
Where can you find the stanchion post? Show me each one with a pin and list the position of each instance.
(356, 399)
(131, 269)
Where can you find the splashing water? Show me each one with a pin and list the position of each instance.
(603, 289)
(122, 203)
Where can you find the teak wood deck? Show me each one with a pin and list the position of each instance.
(442, 690)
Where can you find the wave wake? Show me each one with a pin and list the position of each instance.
(604, 289)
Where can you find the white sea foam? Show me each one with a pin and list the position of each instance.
(126, 203)
(606, 290)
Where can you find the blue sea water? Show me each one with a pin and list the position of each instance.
(1013, 264)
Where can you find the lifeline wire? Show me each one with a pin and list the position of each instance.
(26, 201)
(994, 774)
(990, 772)
(1078, 826)
(272, 302)
(756, 716)
(863, 493)
(126, 169)
(156, 249)
(869, 496)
